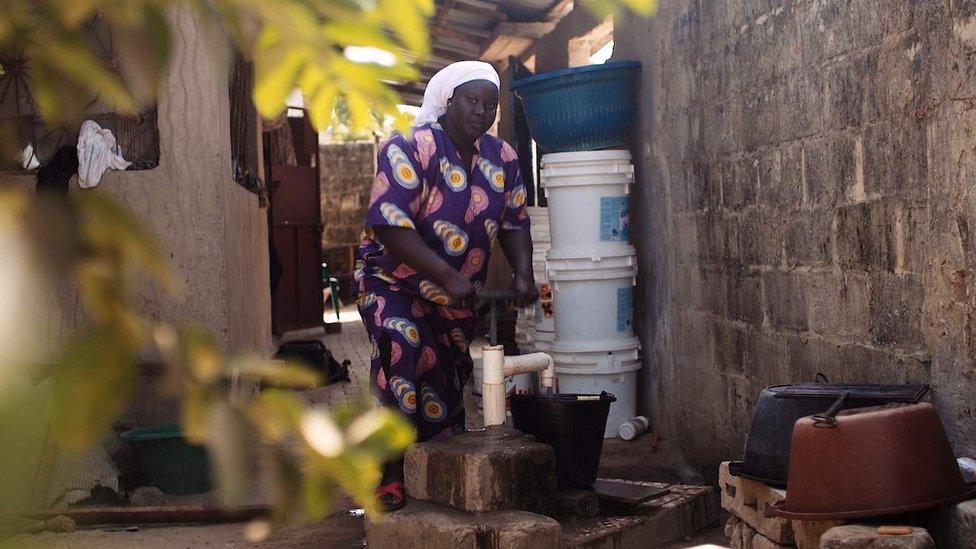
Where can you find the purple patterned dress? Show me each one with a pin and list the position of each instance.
(421, 184)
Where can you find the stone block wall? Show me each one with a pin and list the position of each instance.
(346, 180)
(804, 205)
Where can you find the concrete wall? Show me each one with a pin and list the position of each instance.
(211, 229)
(803, 205)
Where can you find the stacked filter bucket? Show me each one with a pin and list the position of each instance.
(591, 271)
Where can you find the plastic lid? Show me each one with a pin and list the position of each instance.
(606, 346)
(594, 253)
(574, 71)
(627, 430)
(158, 432)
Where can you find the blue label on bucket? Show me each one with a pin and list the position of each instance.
(625, 309)
(614, 219)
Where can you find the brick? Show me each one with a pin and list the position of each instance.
(695, 347)
(860, 536)
(781, 177)
(760, 234)
(912, 224)
(896, 310)
(717, 238)
(705, 187)
(844, 91)
(865, 240)
(803, 102)
(577, 503)
(739, 183)
(714, 289)
(839, 304)
(786, 299)
(488, 470)
(750, 502)
(745, 297)
(685, 232)
(895, 160)
(829, 170)
(809, 237)
(954, 525)
(767, 360)
(729, 347)
(426, 525)
(657, 522)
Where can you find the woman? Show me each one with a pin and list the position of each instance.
(440, 198)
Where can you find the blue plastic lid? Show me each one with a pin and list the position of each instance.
(574, 71)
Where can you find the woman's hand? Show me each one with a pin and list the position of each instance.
(526, 291)
(462, 292)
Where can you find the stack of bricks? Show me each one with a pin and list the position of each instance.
(753, 525)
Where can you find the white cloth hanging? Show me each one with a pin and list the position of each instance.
(441, 86)
(96, 154)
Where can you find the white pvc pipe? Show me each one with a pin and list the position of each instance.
(497, 367)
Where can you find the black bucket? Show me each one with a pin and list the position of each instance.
(573, 425)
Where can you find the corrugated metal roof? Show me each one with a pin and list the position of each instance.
(465, 29)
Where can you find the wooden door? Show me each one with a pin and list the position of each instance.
(296, 232)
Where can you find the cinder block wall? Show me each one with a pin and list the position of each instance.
(346, 180)
(804, 205)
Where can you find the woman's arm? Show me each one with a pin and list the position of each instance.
(517, 246)
(409, 246)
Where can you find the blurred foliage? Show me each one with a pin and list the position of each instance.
(90, 246)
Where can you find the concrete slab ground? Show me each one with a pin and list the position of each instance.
(423, 525)
(637, 460)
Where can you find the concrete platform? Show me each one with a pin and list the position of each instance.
(487, 470)
(423, 525)
(681, 512)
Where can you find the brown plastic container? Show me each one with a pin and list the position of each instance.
(871, 462)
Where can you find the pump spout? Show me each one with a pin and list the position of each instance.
(497, 367)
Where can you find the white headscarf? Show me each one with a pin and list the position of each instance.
(442, 84)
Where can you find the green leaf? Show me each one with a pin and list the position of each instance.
(93, 384)
(201, 355)
(277, 414)
(275, 78)
(110, 228)
(195, 414)
(318, 493)
(69, 57)
(409, 22)
(144, 54)
(383, 433)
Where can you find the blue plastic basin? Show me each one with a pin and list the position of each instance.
(580, 109)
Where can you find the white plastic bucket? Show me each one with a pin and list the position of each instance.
(609, 356)
(583, 163)
(622, 384)
(593, 304)
(588, 196)
(543, 341)
(539, 225)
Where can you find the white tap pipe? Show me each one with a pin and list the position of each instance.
(497, 367)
